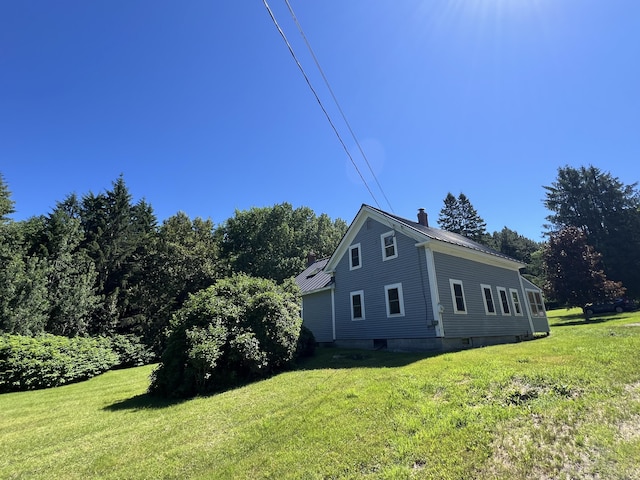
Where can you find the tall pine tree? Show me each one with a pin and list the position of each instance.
(459, 216)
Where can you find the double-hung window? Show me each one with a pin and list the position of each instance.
(457, 296)
(357, 305)
(389, 246)
(504, 301)
(515, 299)
(535, 303)
(355, 260)
(487, 296)
(394, 300)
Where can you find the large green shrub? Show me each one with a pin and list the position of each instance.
(239, 329)
(28, 363)
(131, 351)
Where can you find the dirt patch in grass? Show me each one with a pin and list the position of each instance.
(522, 390)
(542, 446)
(629, 428)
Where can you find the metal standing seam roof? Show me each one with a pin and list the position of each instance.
(444, 236)
(314, 277)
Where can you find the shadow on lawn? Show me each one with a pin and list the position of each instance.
(331, 358)
(144, 401)
(579, 319)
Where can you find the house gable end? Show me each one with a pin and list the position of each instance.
(368, 213)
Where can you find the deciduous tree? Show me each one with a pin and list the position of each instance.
(574, 274)
(273, 242)
(607, 211)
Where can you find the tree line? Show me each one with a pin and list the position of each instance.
(592, 251)
(102, 264)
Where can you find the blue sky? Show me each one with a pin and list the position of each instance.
(202, 109)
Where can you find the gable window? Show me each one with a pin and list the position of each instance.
(357, 305)
(535, 303)
(487, 296)
(504, 301)
(389, 247)
(354, 257)
(394, 299)
(515, 299)
(457, 295)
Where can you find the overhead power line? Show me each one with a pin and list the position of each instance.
(335, 100)
(317, 97)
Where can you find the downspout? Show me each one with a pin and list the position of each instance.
(333, 312)
(436, 306)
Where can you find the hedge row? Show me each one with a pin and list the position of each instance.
(29, 363)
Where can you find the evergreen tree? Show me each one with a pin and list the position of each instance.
(23, 291)
(449, 218)
(72, 276)
(115, 236)
(6, 203)
(459, 216)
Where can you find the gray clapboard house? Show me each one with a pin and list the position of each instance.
(403, 285)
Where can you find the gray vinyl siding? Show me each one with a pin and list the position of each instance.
(476, 322)
(409, 269)
(316, 315)
(540, 324)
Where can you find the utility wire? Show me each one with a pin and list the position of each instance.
(315, 94)
(335, 100)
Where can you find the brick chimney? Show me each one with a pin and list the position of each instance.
(423, 219)
(311, 259)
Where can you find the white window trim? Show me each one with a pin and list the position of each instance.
(351, 248)
(400, 298)
(513, 303)
(484, 299)
(541, 312)
(506, 297)
(353, 294)
(391, 234)
(453, 282)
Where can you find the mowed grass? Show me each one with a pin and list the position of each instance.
(566, 406)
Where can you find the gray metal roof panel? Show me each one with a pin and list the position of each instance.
(445, 236)
(314, 277)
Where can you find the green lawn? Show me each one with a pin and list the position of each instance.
(566, 406)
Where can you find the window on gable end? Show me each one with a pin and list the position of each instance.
(504, 301)
(355, 260)
(389, 245)
(394, 300)
(357, 305)
(487, 296)
(457, 296)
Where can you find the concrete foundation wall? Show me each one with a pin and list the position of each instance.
(430, 344)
